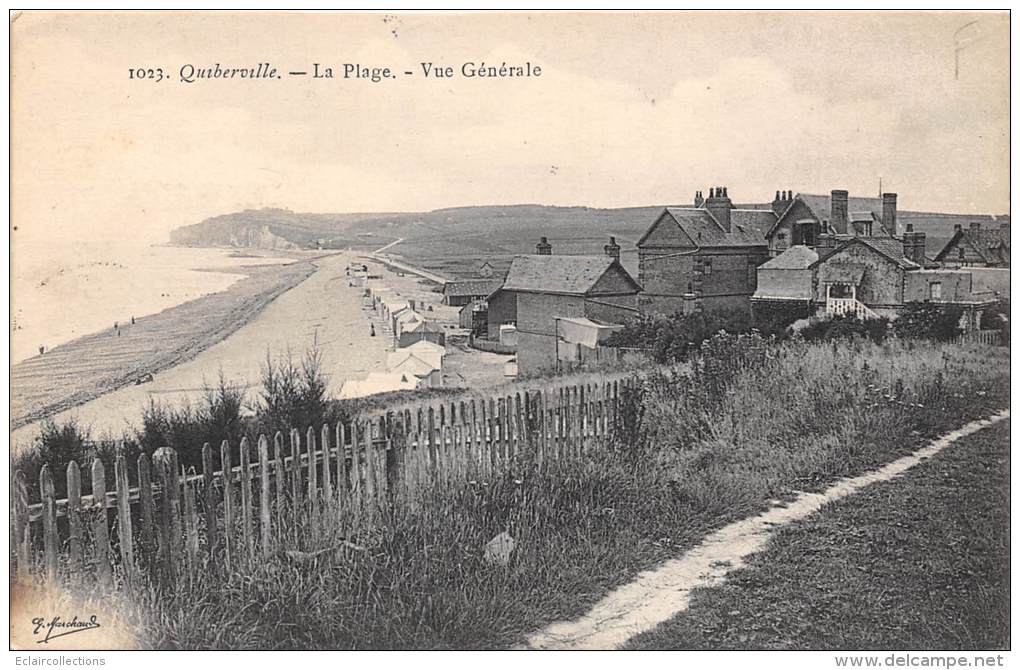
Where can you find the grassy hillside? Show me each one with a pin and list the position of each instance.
(451, 241)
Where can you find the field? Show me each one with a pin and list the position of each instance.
(95, 364)
(699, 448)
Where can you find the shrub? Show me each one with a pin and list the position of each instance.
(928, 321)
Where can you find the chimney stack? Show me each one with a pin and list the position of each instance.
(839, 203)
(975, 225)
(957, 227)
(781, 202)
(824, 244)
(698, 200)
(889, 213)
(914, 244)
(612, 249)
(543, 247)
(719, 206)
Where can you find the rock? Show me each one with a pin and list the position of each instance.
(499, 549)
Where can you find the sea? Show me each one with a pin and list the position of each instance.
(54, 301)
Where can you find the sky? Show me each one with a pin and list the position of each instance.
(630, 109)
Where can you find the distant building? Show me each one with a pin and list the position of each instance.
(460, 292)
(977, 246)
(422, 331)
(788, 277)
(541, 288)
(486, 269)
(703, 257)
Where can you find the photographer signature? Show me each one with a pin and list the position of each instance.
(57, 627)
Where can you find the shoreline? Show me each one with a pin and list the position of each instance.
(93, 365)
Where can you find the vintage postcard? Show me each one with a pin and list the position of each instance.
(526, 330)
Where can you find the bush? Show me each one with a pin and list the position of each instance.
(928, 321)
(296, 396)
(672, 338)
(775, 318)
(846, 326)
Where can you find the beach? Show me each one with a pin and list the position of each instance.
(103, 380)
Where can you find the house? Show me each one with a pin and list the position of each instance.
(429, 351)
(460, 292)
(427, 374)
(703, 257)
(405, 319)
(881, 276)
(486, 269)
(378, 382)
(422, 330)
(542, 287)
(802, 217)
(474, 317)
(977, 246)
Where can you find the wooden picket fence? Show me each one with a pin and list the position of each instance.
(989, 337)
(173, 522)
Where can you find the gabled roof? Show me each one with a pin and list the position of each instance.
(471, 287)
(426, 344)
(890, 247)
(702, 228)
(572, 275)
(797, 257)
(991, 244)
(414, 365)
(423, 327)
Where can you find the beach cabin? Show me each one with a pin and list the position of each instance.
(422, 331)
(378, 382)
(427, 374)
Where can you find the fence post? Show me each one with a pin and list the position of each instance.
(99, 529)
(246, 502)
(296, 483)
(127, 550)
(265, 524)
(227, 472)
(355, 467)
(280, 472)
(146, 505)
(49, 511)
(74, 542)
(371, 481)
(209, 493)
(313, 495)
(22, 527)
(190, 527)
(342, 485)
(327, 476)
(177, 536)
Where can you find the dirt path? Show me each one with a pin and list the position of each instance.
(658, 595)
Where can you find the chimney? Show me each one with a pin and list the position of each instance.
(957, 227)
(975, 225)
(908, 242)
(698, 200)
(824, 244)
(719, 206)
(914, 245)
(889, 213)
(840, 201)
(543, 247)
(612, 249)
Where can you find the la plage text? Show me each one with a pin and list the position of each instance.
(191, 73)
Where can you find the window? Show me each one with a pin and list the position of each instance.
(935, 290)
(707, 268)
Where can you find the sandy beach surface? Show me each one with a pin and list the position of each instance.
(322, 309)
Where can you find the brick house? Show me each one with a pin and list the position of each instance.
(977, 246)
(541, 288)
(703, 257)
